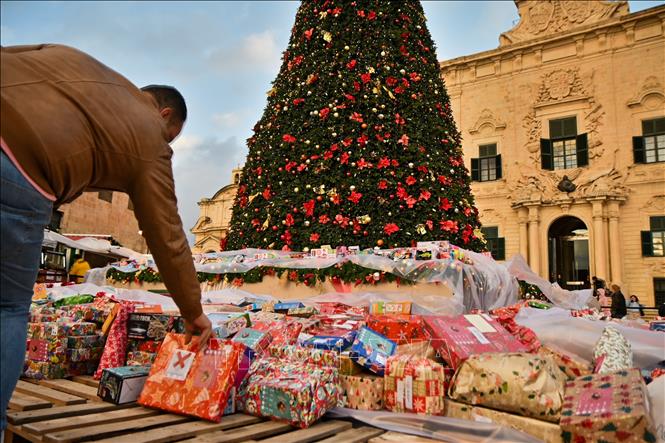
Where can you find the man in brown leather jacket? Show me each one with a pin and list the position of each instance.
(69, 124)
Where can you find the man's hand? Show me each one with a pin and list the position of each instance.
(202, 325)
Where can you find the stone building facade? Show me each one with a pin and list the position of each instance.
(215, 217)
(105, 213)
(564, 133)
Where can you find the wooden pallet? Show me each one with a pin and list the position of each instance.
(69, 411)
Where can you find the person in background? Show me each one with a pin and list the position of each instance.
(661, 310)
(634, 305)
(605, 301)
(78, 269)
(618, 303)
(597, 283)
(70, 124)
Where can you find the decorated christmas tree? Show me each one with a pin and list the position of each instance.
(357, 145)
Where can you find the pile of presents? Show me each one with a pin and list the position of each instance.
(294, 363)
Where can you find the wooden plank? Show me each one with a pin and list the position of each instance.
(23, 402)
(88, 380)
(398, 437)
(261, 430)
(71, 387)
(81, 421)
(22, 433)
(316, 432)
(57, 397)
(108, 429)
(184, 430)
(355, 435)
(19, 418)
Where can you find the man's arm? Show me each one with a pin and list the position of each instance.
(155, 207)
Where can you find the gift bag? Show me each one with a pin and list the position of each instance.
(186, 382)
(116, 343)
(526, 384)
(612, 352)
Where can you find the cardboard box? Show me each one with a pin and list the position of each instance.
(371, 350)
(153, 326)
(123, 384)
(457, 338)
(390, 307)
(607, 407)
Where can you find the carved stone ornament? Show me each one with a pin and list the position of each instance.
(487, 118)
(539, 18)
(602, 183)
(652, 87)
(566, 185)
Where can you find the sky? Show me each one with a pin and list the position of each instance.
(222, 56)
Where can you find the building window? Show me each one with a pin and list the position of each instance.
(487, 166)
(653, 240)
(565, 148)
(495, 244)
(659, 291)
(650, 148)
(107, 196)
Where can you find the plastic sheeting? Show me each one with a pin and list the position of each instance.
(90, 244)
(656, 394)
(452, 430)
(579, 335)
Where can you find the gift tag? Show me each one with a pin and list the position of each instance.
(37, 350)
(479, 335)
(595, 402)
(181, 362)
(408, 392)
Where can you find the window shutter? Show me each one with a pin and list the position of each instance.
(582, 150)
(638, 150)
(499, 169)
(500, 249)
(546, 154)
(475, 169)
(647, 244)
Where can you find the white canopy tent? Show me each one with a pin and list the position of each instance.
(90, 244)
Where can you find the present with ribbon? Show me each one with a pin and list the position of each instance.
(194, 383)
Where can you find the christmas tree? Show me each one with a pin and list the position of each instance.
(357, 145)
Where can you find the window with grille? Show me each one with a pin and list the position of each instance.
(650, 147)
(106, 196)
(495, 244)
(653, 240)
(565, 149)
(659, 291)
(487, 166)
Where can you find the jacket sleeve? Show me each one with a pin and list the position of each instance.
(155, 207)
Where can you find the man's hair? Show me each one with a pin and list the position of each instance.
(168, 97)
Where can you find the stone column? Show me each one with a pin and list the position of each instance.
(599, 249)
(534, 244)
(523, 217)
(615, 246)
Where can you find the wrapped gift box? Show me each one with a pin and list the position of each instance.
(363, 392)
(153, 326)
(292, 384)
(332, 308)
(338, 340)
(267, 317)
(414, 385)
(657, 325)
(306, 311)
(82, 367)
(607, 407)
(123, 384)
(371, 350)
(421, 349)
(283, 332)
(227, 324)
(527, 384)
(255, 341)
(40, 370)
(151, 346)
(400, 328)
(191, 383)
(141, 358)
(85, 341)
(60, 329)
(571, 365)
(51, 350)
(322, 324)
(84, 354)
(284, 307)
(347, 366)
(95, 313)
(457, 338)
(390, 307)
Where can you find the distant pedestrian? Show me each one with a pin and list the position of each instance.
(618, 303)
(597, 283)
(79, 268)
(634, 305)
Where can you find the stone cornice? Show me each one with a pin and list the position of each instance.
(622, 23)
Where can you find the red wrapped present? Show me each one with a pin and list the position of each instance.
(457, 338)
(400, 328)
(116, 344)
(415, 385)
(186, 382)
(283, 332)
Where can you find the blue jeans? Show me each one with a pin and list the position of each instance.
(24, 213)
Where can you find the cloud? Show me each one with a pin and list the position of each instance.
(201, 167)
(257, 51)
(226, 119)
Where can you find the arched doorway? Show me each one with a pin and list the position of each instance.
(568, 244)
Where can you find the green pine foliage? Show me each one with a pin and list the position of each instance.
(357, 144)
